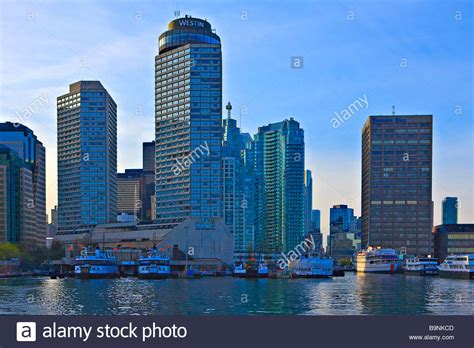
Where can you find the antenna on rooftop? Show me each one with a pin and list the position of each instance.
(177, 12)
(393, 110)
(229, 109)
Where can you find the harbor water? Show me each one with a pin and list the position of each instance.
(354, 294)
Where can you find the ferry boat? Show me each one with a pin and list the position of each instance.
(96, 264)
(457, 266)
(421, 266)
(251, 270)
(312, 267)
(154, 265)
(377, 260)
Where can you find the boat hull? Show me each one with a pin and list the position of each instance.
(154, 275)
(456, 275)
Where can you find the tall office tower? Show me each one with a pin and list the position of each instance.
(148, 181)
(279, 172)
(308, 200)
(23, 179)
(316, 220)
(450, 210)
(341, 215)
(129, 187)
(396, 183)
(237, 186)
(188, 107)
(87, 157)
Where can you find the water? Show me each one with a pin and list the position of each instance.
(352, 294)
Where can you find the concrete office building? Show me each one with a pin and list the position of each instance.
(188, 117)
(23, 216)
(453, 239)
(87, 157)
(397, 182)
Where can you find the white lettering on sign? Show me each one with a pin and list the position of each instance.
(191, 23)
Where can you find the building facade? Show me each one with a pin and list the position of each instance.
(450, 211)
(341, 238)
(453, 239)
(23, 216)
(87, 157)
(308, 200)
(397, 183)
(129, 192)
(238, 186)
(279, 187)
(188, 117)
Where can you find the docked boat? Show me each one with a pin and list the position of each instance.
(154, 265)
(377, 260)
(457, 266)
(251, 270)
(421, 266)
(96, 264)
(312, 267)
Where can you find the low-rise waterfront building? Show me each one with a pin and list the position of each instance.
(453, 239)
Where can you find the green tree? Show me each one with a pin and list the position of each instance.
(8, 251)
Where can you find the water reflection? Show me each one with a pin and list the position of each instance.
(350, 295)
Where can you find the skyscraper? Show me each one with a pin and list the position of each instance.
(279, 174)
(148, 182)
(316, 220)
(87, 157)
(450, 210)
(238, 186)
(188, 107)
(341, 215)
(129, 187)
(396, 183)
(22, 186)
(308, 200)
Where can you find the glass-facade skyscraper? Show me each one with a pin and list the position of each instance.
(22, 186)
(450, 210)
(308, 200)
(396, 183)
(188, 116)
(87, 157)
(238, 185)
(279, 189)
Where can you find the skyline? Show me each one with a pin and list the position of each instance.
(264, 103)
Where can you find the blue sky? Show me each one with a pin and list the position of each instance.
(416, 55)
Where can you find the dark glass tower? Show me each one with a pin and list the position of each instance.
(188, 116)
(396, 183)
(450, 210)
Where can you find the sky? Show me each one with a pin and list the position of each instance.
(414, 55)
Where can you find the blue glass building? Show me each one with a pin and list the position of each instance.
(188, 116)
(22, 186)
(87, 157)
(279, 188)
(450, 210)
(342, 215)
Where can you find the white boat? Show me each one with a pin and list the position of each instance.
(154, 265)
(377, 260)
(457, 266)
(262, 268)
(240, 271)
(96, 264)
(312, 267)
(421, 266)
